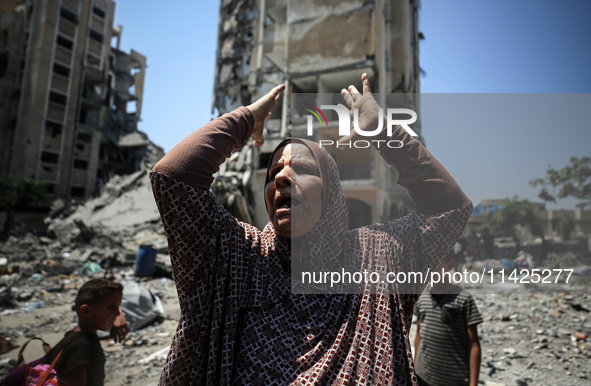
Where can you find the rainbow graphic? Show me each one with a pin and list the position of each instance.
(316, 115)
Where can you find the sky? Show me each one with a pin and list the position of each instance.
(513, 75)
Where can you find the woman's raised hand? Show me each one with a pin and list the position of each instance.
(366, 105)
(261, 110)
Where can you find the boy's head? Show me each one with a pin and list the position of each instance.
(448, 263)
(98, 304)
(444, 269)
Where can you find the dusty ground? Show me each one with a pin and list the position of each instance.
(526, 336)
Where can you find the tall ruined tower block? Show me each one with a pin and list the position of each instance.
(316, 47)
(59, 88)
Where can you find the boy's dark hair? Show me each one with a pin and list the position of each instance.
(449, 257)
(93, 291)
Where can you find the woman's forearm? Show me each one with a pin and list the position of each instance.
(196, 158)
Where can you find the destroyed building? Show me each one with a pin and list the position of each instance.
(69, 102)
(314, 47)
(545, 221)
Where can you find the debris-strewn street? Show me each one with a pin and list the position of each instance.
(531, 335)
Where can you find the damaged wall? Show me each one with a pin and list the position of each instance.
(235, 44)
(326, 35)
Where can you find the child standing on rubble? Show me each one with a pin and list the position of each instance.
(81, 359)
(447, 348)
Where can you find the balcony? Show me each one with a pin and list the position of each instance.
(59, 83)
(48, 172)
(56, 112)
(94, 47)
(63, 55)
(72, 4)
(67, 28)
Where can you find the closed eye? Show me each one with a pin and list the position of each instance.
(307, 169)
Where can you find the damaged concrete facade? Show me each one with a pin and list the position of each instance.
(66, 95)
(314, 47)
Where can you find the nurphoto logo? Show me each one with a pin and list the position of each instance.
(345, 126)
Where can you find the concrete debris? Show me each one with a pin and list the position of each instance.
(158, 355)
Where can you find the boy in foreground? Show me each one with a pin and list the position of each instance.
(82, 361)
(447, 348)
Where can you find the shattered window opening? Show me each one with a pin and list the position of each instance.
(84, 137)
(69, 15)
(80, 164)
(49, 157)
(99, 12)
(77, 191)
(96, 36)
(58, 98)
(61, 70)
(54, 128)
(65, 42)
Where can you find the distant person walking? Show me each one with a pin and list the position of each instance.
(488, 242)
(473, 241)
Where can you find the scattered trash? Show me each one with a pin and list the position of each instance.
(145, 261)
(578, 307)
(140, 306)
(36, 278)
(158, 355)
(89, 269)
(30, 307)
(577, 336)
(6, 346)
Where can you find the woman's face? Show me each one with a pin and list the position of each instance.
(294, 191)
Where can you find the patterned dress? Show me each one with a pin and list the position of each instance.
(240, 322)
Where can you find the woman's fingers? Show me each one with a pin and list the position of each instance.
(261, 110)
(344, 107)
(277, 91)
(366, 105)
(352, 94)
(258, 139)
(274, 95)
(347, 97)
(355, 94)
(366, 84)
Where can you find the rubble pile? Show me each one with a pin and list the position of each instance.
(105, 230)
(125, 207)
(536, 339)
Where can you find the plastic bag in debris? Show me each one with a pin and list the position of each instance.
(140, 306)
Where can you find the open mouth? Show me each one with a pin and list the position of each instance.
(284, 203)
